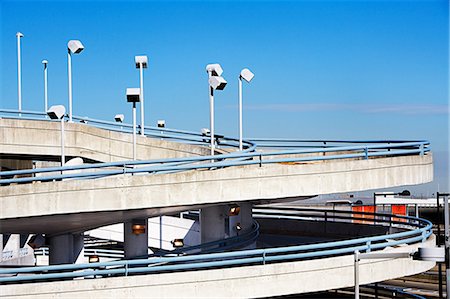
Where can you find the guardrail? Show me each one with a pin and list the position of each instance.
(150, 131)
(418, 230)
(226, 160)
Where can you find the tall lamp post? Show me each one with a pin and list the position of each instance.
(75, 47)
(45, 62)
(19, 35)
(133, 95)
(58, 112)
(141, 63)
(215, 81)
(247, 75)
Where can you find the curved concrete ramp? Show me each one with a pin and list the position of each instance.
(184, 190)
(236, 282)
(37, 139)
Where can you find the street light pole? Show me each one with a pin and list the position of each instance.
(19, 35)
(141, 63)
(69, 74)
(45, 62)
(211, 115)
(73, 46)
(63, 156)
(134, 130)
(141, 81)
(240, 113)
(247, 75)
(133, 96)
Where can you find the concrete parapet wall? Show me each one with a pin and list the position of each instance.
(239, 282)
(42, 138)
(182, 190)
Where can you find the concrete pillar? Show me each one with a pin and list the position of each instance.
(214, 223)
(246, 216)
(66, 249)
(1, 247)
(135, 244)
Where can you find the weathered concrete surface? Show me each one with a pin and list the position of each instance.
(239, 282)
(179, 191)
(36, 138)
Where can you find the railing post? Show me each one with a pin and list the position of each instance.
(421, 149)
(126, 268)
(366, 153)
(424, 236)
(368, 246)
(260, 160)
(356, 273)
(264, 257)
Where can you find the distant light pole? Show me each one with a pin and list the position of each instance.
(141, 63)
(133, 95)
(215, 81)
(19, 35)
(45, 62)
(75, 47)
(247, 75)
(58, 112)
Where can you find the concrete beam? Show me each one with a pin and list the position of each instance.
(66, 249)
(276, 279)
(180, 191)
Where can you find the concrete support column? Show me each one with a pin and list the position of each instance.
(135, 238)
(1, 247)
(246, 216)
(214, 223)
(66, 249)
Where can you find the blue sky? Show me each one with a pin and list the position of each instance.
(323, 69)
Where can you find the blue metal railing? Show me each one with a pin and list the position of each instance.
(306, 151)
(417, 230)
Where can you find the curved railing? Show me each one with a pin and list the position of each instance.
(150, 131)
(415, 230)
(305, 151)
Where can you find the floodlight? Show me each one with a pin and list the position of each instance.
(19, 34)
(133, 95)
(215, 69)
(119, 118)
(75, 46)
(94, 259)
(141, 60)
(238, 227)
(44, 62)
(234, 210)
(56, 112)
(205, 131)
(247, 75)
(161, 123)
(177, 243)
(217, 82)
(138, 229)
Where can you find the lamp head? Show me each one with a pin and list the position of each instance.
(19, 34)
(119, 118)
(247, 75)
(141, 59)
(56, 112)
(75, 46)
(217, 82)
(44, 62)
(214, 69)
(133, 95)
(161, 123)
(177, 243)
(205, 131)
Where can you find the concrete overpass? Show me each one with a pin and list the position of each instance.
(62, 206)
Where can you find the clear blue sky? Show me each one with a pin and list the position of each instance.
(323, 69)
